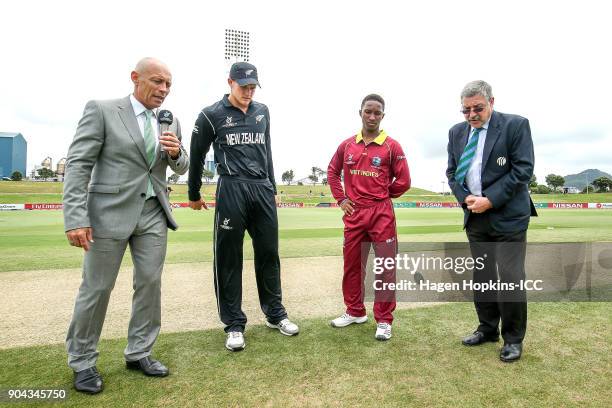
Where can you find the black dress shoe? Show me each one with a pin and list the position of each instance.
(511, 352)
(477, 338)
(88, 381)
(148, 366)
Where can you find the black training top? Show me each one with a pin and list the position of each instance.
(241, 144)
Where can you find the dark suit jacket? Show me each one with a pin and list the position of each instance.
(507, 167)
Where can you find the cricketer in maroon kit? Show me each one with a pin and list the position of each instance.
(375, 170)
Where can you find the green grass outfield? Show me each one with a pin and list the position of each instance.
(51, 192)
(567, 360)
(566, 363)
(32, 240)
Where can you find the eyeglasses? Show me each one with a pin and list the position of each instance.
(477, 109)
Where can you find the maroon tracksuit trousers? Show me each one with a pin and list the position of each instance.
(368, 227)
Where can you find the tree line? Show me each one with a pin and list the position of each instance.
(288, 177)
(554, 182)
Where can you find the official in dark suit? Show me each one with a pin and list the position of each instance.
(490, 163)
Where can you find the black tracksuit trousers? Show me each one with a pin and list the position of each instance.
(244, 204)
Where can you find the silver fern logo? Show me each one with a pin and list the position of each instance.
(258, 118)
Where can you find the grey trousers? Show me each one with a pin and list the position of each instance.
(100, 267)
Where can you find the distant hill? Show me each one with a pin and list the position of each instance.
(579, 180)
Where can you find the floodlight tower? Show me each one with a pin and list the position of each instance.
(237, 45)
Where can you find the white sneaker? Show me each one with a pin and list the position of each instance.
(347, 319)
(234, 341)
(383, 331)
(285, 326)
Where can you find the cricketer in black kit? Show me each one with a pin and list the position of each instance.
(239, 130)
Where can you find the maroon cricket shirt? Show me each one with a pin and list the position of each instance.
(372, 173)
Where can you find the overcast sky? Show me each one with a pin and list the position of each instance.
(546, 60)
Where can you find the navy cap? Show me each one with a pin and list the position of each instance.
(244, 73)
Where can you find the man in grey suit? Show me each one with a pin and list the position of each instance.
(490, 163)
(115, 194)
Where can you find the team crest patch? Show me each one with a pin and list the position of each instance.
(226, 225)
(229, 122)
(376, 161)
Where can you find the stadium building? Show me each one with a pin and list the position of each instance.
(13, 154)
(209, 162)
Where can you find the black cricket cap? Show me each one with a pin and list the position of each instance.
(244, 73)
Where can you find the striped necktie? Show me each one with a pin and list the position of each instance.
(466, 157)
(149, 139)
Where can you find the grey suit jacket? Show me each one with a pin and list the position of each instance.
(507, 167)
(107, 171)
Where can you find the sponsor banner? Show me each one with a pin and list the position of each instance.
(11, 207)
(411, 204)
(568, 205)
(404, 205)
(599, 206)
(184, 205)
(290, 205)
(43, 206)
(435, 204)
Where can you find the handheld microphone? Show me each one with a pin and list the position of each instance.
(165, 119)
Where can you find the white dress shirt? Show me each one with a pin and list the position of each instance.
(472, 178)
